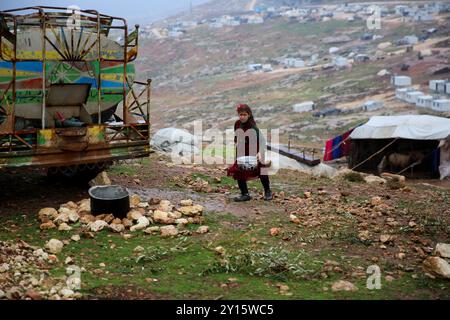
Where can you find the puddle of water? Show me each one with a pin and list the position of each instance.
(211, 202)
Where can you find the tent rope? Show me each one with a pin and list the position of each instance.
(417, 162)
(373, 155)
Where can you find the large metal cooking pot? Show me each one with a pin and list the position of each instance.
(110, 199)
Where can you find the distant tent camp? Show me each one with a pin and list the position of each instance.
(384, 135)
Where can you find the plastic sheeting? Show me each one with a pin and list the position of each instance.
(177, 141)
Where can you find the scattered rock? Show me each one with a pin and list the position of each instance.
(63, 217)
(127, 222)
(283, 289)
(87, 218)
(134, 215)
(108, 218)
(154, 201)
(375, 201)
(14, 293)
(412, 224)
(143, 205)
(343, 285)
(394, 181)
(371, 179)
(383, 72)
(168, 231)
(142, 223)
(364, 235)
(100, 180)
(49, 213)
(386, 238)
(70, 205)
(32, 294)
(437, 266)
(116, 221)
(195, 220)
(293, 218)
(117, 227)
(191, 211)
(186, 203)
(152, 230)
(54, 246)
(165, 205)
(219, 250)
(275, 231)
(202, 229)
(182, 221)
(84, 206)
(135, 200)
(47, 225)
(4, 267)
(40, 254)
(98, 225)
(73, 216)
(64, 227)
(66, 293)
(174, 215)
(75, 238)
(401, 255)
(162, 217)
(443, 250)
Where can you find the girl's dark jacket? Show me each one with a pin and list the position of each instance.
(253, 143)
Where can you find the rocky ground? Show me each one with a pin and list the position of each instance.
(319, 238)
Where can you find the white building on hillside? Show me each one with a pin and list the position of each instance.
(294, 63)
(424, 101)
(399, 81)
(303, 107)
(441, 105)
(412, 96)
(255, 19)
(438, 86)
(372, 105)
(400, 93)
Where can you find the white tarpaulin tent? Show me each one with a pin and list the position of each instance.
(415, 127)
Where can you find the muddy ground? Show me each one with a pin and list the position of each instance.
(267, 256)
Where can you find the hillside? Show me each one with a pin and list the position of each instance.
(229, 7)
(202, 74)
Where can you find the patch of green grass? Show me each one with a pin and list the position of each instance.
(123, 170)
(354, 177)
(189, 268)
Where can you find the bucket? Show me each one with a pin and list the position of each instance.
(110, 199)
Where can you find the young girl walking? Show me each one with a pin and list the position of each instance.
(250, 144)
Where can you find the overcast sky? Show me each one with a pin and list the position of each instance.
(135, 11)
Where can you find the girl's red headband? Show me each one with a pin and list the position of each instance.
(242, 107)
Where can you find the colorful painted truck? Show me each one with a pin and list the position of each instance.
(68, 98)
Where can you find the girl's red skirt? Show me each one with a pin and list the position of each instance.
(239, 174)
